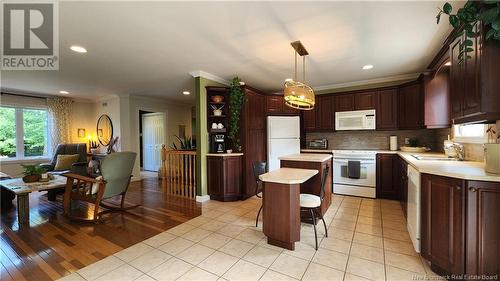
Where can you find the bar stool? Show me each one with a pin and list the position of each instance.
(312, 203)
(259, 168)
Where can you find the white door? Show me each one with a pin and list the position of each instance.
(283, 127)
(280, 147)
(153, 136)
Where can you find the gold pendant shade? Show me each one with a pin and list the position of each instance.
(297, 94)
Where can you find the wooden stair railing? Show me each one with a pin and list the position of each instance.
(178, 172)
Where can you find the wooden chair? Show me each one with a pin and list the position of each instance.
(259, 168)
(312, 203)
(116, 170)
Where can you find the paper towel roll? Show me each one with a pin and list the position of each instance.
(393, 142)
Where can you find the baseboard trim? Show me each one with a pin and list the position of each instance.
(203, 198)
(136, 178)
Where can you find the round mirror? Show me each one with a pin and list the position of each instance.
(104, 129)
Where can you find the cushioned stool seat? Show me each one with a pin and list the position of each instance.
(309, 200)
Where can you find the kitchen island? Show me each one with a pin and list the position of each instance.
(281, 205)
(314, 161)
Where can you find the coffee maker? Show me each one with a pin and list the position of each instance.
(217, 143)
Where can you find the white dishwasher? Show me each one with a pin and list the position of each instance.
(413, 207)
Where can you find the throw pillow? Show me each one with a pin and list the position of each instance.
(64, 162)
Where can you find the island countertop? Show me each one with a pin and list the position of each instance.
(288, 175)
(307, 157)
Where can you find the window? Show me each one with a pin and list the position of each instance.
(475, 133)
(23, 132)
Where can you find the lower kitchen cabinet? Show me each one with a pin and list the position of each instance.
(387, 185)
(443, 223)
(483, 228)
(401, 170)
(224, 177)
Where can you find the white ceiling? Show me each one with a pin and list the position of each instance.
(149, 48)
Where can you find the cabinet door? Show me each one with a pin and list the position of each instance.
(411, 107)
(437, 99)
(255, 110)
(363, 101)
(483, 228)
(215, 176)
(456, 81)
(402, 180)
(386, 187)
(309, 117)
(344, 102)
(232, 176)
(289, 110)
(442, 223)
(387, 109)
(274, 104)
(472, 98)
(325, 110)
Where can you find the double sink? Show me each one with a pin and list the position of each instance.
(433, 158)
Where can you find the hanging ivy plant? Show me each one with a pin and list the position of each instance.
(486, 11)
(236, 100)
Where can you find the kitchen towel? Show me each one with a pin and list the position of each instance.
(353, 169)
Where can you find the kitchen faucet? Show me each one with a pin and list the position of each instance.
(459, 151)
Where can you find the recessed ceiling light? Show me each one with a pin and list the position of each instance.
(242, 83)
(448, 63)
(78, 49)
(368, 66)
(63, 92)
(186, 93)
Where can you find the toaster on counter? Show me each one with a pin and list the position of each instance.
(318, 144)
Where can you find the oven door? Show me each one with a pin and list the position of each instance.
(366, 177)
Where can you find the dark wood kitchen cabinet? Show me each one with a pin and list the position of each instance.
(411, 106)
(483, 228)
(437, 98)
(310, 119)
(401, 170)
(224, 177)
(443, 223)
(387, 109)
(387, 187)
(474, 85)
(275, 105)
(325, 113)
(364, 100)
(344, 102)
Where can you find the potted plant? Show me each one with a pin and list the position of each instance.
(236, 101)
(32, 173)
(184, 144)
(487, 12)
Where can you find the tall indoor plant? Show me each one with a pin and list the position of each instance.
(236, 101)
(485, 11)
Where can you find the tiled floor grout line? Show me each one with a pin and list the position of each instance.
(383, 240)
(352, 239)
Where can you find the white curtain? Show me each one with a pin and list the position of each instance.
(59, 120)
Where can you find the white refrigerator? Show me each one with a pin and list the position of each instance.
(283, 138)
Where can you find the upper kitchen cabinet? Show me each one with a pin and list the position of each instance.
(309, 119)
(387, 109)
(411, 106)
(344, 102)
(325, 113)
(275, 105)
(364, 100)
(474, 83)
(437, 98)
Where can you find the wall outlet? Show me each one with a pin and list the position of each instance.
(407, 141)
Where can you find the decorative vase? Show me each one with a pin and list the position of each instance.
(492, 157)
(217, 98)
(217, 112)
(31, 178)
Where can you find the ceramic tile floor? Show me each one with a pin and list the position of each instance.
(367, 240)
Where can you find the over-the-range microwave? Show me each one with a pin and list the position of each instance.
(355, 120)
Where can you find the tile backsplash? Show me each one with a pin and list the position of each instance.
(375, 139)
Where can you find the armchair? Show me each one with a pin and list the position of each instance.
(116, 170)
(79, 167)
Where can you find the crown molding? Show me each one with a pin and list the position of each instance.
(368, 82)
(210, 76)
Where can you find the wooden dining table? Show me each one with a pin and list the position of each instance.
(281, 205)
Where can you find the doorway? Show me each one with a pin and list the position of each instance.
(152, 136)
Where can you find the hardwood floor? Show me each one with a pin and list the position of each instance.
(53, 246)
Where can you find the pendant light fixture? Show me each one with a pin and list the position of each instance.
(297, 94)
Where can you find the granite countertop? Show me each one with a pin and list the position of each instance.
(224, 154)
(467, 170)
(307, 157)
(288, 175)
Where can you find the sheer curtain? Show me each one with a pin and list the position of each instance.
(59, 120)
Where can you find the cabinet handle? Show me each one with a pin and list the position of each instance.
(458, 188)
(473, 189)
